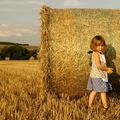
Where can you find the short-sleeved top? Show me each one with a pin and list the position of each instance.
(97, 73)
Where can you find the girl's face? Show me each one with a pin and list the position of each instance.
(100, 48)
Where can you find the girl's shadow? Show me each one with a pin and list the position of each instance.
(114, 78)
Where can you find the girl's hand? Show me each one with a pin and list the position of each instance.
(110, 70)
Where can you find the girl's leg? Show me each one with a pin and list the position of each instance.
(104, 99)
(91, 98)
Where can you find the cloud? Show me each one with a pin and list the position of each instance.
(7, 31)
(27, 31)
(16, 30)
(10, 34)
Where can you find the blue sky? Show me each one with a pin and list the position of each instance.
(19, 19)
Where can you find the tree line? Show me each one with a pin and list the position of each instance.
(17, 52)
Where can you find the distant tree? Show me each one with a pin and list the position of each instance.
(5, 53)
(11, 43)
(0, 57)
(15, 52)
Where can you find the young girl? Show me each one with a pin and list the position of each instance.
(98, 79)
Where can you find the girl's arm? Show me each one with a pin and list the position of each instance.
(98, 63)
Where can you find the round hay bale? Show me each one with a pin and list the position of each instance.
(65, 39)
(32, 58)
(7, 58)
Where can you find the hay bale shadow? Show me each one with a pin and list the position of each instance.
(114, 78)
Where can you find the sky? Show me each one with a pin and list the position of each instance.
(20, 19)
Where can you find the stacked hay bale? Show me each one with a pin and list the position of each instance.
(65, 39)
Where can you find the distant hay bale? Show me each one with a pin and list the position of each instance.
(7, 58)
(32, 58)
(65, 39)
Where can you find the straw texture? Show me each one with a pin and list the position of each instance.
(65, 39)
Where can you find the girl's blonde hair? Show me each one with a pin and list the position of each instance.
(96, 41)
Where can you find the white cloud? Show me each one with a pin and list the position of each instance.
(27, 31)
(10, 34)
(18, 35)
(16, 30)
